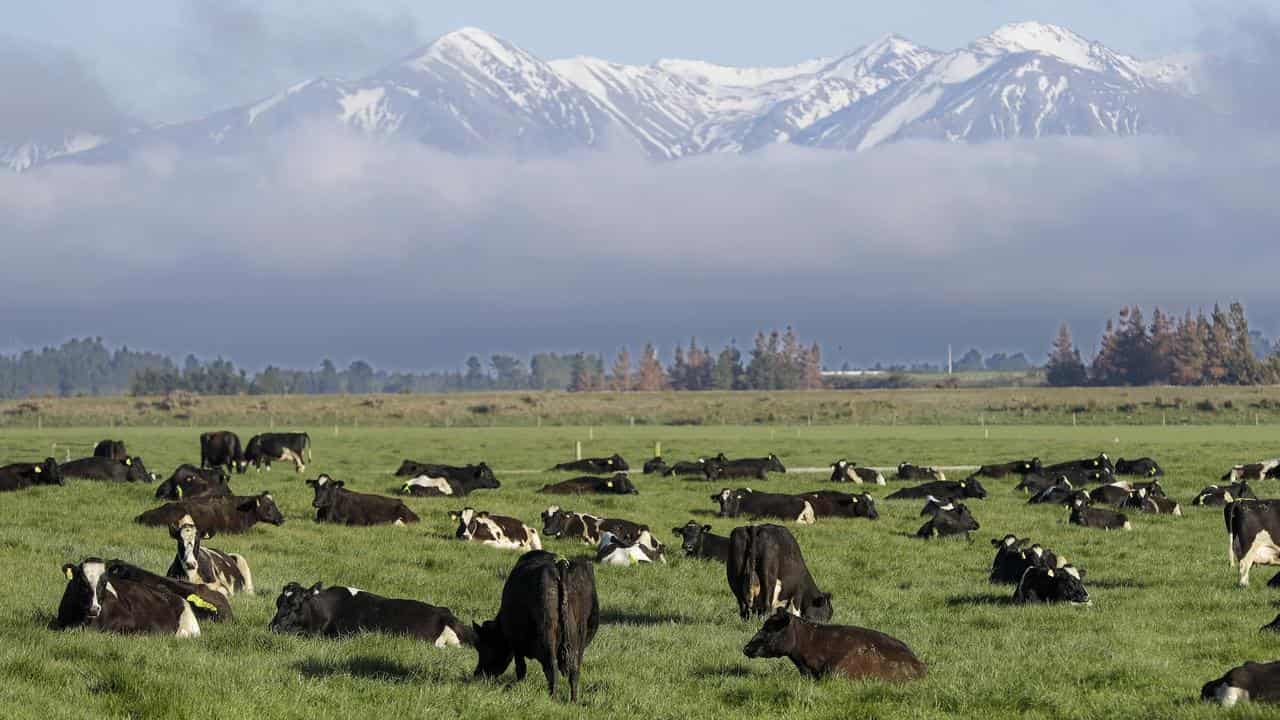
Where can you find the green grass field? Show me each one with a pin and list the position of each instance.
(1166, 617)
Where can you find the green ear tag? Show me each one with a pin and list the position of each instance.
(200, 602)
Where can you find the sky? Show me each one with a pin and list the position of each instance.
(327, 246)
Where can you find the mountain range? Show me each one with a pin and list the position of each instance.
(472, 92)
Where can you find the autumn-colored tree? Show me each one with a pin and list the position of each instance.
(1163, 339)
(813, 368)
(651, 377)
(1106, 364)
(1218, 350)
(1065, 369)
(1189, 351)
(620, 379)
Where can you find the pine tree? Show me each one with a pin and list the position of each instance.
(1106, 369)
(813, 368)
(621, 378)
(1242, 366)
(728, 372)
(1218, 348)
(1065, 369)
(651, 375)
(1132, 349)
(1163, 341)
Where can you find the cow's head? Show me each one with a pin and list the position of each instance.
(620, 484)
(463, 517)
(1009, 542)
(253, 450)
(817, 608)
(1067, 585)
(617, 463)
(655, 465)
(408, 467)
(326, 491)
(264, 507)
(1034, 466)
(865, 507)
(48, 473)
(839, 471)
(136, 471)
(971, 488)
(188, 537)
(494, 652)
(554, 521)
(691, 536)
(485, 477)
(777, 638)
(292, 608)
(729, 501)
(773, 464)
(87, 588)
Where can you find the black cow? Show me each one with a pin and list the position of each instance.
(721, 467)
(189, 482)
(1144, 466)
(1083, 476)
(23, 475)
(206, 602)
(956, 520)
(1013, 558)
(766, 571)
(1035, 483)
(1252, 682)
(448, 480)
(1102, 462)
(113, 449)
(655, 466)
(908, 471)
(1143, 501)
(845, 471)
(943, 490)
(267, 448)
(498, 531)
(819, 651)
(1252, 529)
(569, 525)
(340, 611)
(221, 449)
(226, 572)
(1114, 494)
(94, 600)
(231, 514)
(687, 467)
(745, 501)
(336, 504)
(1014, 467)
(599, 466)
(549, 612)
(698, 542)
(830, 503)
(1217, 496)
(1263, 470)
(619, 484)
(1060, 493)
(96, 468)
(1153, 487)
(1091, 517)
(1051, 585)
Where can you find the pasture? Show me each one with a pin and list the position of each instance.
(1166, 615)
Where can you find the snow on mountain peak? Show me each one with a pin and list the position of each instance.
(1046, 39)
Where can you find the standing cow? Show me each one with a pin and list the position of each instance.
(221, 449)
(766, 570)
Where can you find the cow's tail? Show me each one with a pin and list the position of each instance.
(306, 446)
(566, 659)
(752, 585)
(1234, 551)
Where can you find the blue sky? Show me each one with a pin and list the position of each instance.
(161, 58)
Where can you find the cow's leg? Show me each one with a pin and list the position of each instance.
(1262, 551)
(549, 669)
(573, 685)
(521, 667)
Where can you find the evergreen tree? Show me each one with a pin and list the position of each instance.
(1218, 348)
(651, 375)
(620, 381)
(1065, 369)
(728, 371)
(1163, 343)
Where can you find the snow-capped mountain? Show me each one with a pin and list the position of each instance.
(471, 91)
(20, 156)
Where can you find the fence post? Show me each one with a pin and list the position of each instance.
(591, 433)
(1073, 419)
(578, 449)
(657, 449)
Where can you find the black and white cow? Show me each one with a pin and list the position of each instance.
(1252, 529)
(617, 551)
(506, 533)
(619, 484)
(697, 541)
(1219, 495)
(845, 471)
(949, 522)
(1114, 494)
(339, 611)
(113, 449)
(612, 464)
(1144, 466)
(1143, 501)
(831, 503)
(413, 468)
(1014, 467)
(1035, 483)
(336, 504)
(720, 467)
(908, 471)
(189, 482)
(206, 602)
(745, 501)
(568, 525)
(1251, 682)
(1101, 462)
(267, 448)
(225, 572)
(18, 476)
(1099, 518)
(97, 468)
(221, 449)
(766, 571)
(1060, 493)
(1013, 557)
(820, 651)
(943, 490)
(550, 612)
(450, 481)
(1051, 585)
(1262, 470)
(93, 600)
(231, 514)
(1153, 488)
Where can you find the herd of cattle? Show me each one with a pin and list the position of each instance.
(549, 609)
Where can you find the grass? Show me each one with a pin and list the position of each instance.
(1166, 617)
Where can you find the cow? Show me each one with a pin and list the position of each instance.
(96, 468)
(1013, 467)
(1101, 462)
(1153, 487)
(1144, 501)
(569, 525)
(655, 466)
(619, 484)
(1091, 517)
(1051, 585)
(597, 466)
(336, 504)
(189, 482)
(1013, 558)
(1114, 494)
(766, 571)
(617, 551)
(942, 489)
(820, 651)
(697, 541)
(1083, 476)
(226, 572)
(1034, 483)
(1060, 493)
(1263, 470)
(687, 467)
(340, 611)
(907, 471)
(1144, 466)
(721, 467)
(932, 505)
(830, 503)
(550, 613)
(206, 602)
(745, 501)
(845, 471)
(506, 533)
(955, 520)
(221, 449)
(231, 514)
(449, 481)
(1217, 496)
(92, 599)
(1252, 529)
(267, 448)
(1252, 682)
(113, 449)
(19, 476)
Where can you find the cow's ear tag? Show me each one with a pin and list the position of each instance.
(128, 461)
(38, 469)
(179, 492)
(201, 603)
(609, 484)
(1050, 573)
(70, 573)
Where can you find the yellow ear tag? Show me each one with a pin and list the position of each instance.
(38, 469)
(179, 492)
(609, 484)
(200, 602)
(70, 574)
(128, 461)
(1050, 573)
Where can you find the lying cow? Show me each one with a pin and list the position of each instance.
(1143, 501)
(231, 514)
(766, 571)
(221, 449)
(96, 468)
(745, 501)
(1015, 467)
(1153, 487)
(336, 504)
(19, 476)
(1145, 466)
(569, 525)
(413, 468)
(720, 467)
(267, 448)
(1264, 470)
(948, 522)
(597, 466)
(113, 449)
(830, 503)
(225, 572)
(93, 600)
(340, 611)
(206, 602)
(1252, 529)
(907, 471)
(655, 466)
(618, 551)
(1217, 496)
(697, 541)
(506, 533)
(1101, 462)
(820, 651)
(619, 484)
(1060, 493)
(449, 481)
(1013, 559)
(549, 612)
(845, 471)
(1114, 494)
(942, 489)
(1051, 585)
(1099, 518)
(1251, 682)
(1035, 483)
(189, 482)
(687, 467)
